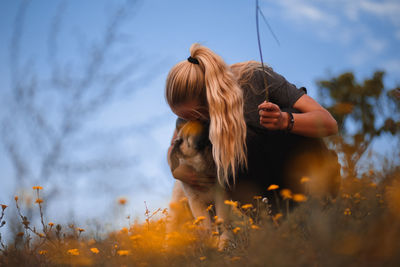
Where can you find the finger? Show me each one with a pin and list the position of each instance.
(268, 106)
(270, 114)
(269, 120)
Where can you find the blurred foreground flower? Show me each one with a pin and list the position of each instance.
(122, 201)
(37, 188)
(247, 206)
(94, 250)
(286, 194)
(199, 220)
(304, 180)
(273, 187)
(347, 211)
(277, 216)
(231, 203)
(73, 252)
(299, 198)
(236, 230)
(123, 252)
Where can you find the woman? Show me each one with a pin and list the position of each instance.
(255, 142)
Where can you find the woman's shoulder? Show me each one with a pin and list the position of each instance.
(252, 73)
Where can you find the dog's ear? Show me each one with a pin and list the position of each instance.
(173, 159)
(179, 124)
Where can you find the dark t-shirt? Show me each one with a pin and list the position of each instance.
(278, 157)
(280, 92)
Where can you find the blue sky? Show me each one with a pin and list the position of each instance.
(318, 39)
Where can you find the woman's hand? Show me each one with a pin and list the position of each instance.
(189, 176)
(271, 116)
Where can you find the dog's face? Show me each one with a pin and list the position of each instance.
(192, 138)
(192, 141)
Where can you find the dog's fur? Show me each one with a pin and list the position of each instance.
(193, 148)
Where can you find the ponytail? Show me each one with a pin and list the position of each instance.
(212, 83)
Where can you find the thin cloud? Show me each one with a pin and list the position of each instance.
(344, 23)
(384, 9)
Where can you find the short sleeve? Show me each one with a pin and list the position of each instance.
(281, 92)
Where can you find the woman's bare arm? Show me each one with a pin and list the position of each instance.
(313, 121)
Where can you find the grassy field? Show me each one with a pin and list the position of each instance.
(361, 227)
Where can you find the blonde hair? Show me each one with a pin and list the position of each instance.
(212, 84)
(244, 71)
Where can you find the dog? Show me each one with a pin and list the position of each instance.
(193, 148)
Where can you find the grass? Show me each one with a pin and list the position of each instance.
(361, 227)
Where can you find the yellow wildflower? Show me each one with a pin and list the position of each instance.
(37, 188)
(199, 220)
(122, 201)
(215, 233)
(299, 198)
(39, 200)
(218, 221)
(16, 198)
(236, 230)
(41, 235)
(372, 185)
(347, 211)
(255, 227)
(209, 207)
(94, 250)
(51, 224)
(3, 206)
(257, 197)
(247, 206)
(203, 258)
(231, 203)
(304, 180)
(286, 194)
(124, 230)
(123, 252)
(273, 187)
(73, 252)
(80, 230)
(43, 252)
(277, 216)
